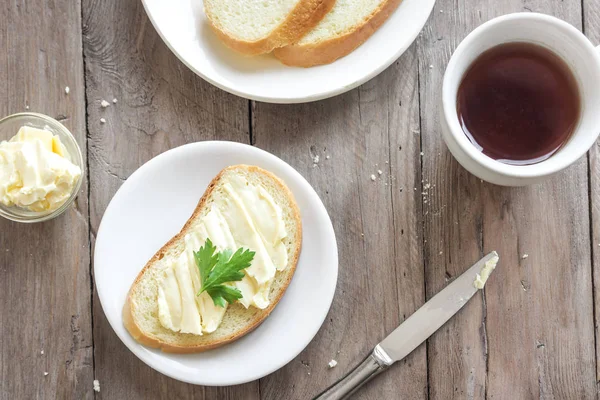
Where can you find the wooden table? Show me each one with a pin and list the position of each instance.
(531, 334)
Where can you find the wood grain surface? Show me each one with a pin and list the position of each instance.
(45, 283)
(401, 238)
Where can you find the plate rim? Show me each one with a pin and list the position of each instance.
(137, 349)
(301, 99)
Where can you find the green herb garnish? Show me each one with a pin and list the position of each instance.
(219, 268)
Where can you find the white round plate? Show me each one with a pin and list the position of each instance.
(183, 26)
(152, 206)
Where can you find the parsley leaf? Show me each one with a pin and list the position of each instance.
(218, 269)
(206, 259)
(222, 293)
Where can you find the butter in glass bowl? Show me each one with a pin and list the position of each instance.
(41, 168)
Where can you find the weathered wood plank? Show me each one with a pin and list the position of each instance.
(377, 224)
(44, 268)
(591, 28)
(531, 334)
(161, 104)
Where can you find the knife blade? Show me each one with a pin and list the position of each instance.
(414, 330)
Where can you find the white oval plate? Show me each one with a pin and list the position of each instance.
(184, 28)
(153, 205)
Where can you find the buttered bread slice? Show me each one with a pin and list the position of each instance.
(259, 26)
(244, 207)
(348, 25)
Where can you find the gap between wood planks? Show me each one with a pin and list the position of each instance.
(89, 188)
(422, 212)
(591, 226)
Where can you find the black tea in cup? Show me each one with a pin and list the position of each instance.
(518, 103)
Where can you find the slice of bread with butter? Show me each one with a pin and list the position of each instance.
(243, 207)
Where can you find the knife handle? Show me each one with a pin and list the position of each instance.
(373, 365)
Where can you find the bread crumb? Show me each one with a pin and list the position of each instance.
(373, 177)
(102, 121)
(442, 11)
(42, 352)
(96, 385)
(115, 100)
(525, 256)
(104, 104)
(27, 108)
(315, 160)
(427, 186)
(67, 89)
(45, 373)
(379, 171)
(327, 157)
(431, 66)
(422, 154)
(332, 364)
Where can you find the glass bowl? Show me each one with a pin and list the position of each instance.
(9, 126)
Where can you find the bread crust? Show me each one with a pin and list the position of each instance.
(150, 341)
(305, 16)
(327, 51)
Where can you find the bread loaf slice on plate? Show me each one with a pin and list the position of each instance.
(140, 313)
(348, 25)
(258, 26)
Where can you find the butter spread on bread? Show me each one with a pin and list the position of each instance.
(241, 215)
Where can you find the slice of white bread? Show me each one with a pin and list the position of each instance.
(259, 26)
(348, 25)
(140, 313)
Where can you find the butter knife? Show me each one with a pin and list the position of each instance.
(415, 330)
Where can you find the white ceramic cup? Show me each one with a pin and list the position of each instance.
(563, 39)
